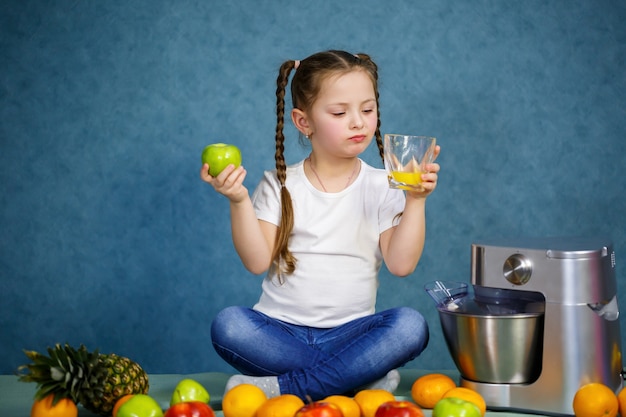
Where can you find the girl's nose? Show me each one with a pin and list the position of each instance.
(357, 120)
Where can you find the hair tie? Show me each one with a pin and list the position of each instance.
(296, 64)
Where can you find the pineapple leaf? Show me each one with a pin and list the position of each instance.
(58, 397)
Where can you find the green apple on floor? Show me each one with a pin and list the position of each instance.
(140, 405)
(455, 407)
(189, 390)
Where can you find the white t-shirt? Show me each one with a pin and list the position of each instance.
(335, 240)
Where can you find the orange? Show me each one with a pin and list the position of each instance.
(429, 388)
(595, 400)
(621, 399)
(243, 401)
(44, 408)
(468, 395)
(370, 399)
(284, 405)
(348, 407)
(119, 403)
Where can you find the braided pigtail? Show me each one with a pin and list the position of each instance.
(379, 137)
(373, 70)
(366, 61)
(283, 261)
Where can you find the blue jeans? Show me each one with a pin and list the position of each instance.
(319, 362)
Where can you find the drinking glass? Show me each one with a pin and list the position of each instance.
(405, 158)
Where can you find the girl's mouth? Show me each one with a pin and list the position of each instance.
(358, 138)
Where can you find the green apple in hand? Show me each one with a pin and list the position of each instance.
(189, 390)
(219, 156)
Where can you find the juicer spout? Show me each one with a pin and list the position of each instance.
(446, 294)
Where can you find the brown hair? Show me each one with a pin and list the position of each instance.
(305, 87)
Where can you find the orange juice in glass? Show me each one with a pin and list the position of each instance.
(405, 157)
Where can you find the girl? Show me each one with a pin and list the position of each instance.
(321, 229)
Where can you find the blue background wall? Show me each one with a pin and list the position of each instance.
(110, 239)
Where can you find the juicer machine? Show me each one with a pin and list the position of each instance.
(573, 282)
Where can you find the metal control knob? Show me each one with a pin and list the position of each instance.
(517, 269)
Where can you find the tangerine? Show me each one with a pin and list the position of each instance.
(65, 407)
(468, 395)
(595, 400)
(285, 405)
(243, 401)
(370, 399)
(429, 388)
(348, 407)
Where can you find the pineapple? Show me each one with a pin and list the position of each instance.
(92, 379)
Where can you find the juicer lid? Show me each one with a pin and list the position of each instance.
(563, 247)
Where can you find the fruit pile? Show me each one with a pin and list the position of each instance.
(103, 384)
(247, 400)
(435, 391)
(440, 392)
(108, 384)
(189, 399)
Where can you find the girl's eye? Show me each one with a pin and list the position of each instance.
(368, 110)
(340, 113)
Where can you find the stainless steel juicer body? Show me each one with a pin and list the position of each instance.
(581, 342)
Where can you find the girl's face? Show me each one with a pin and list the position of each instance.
(343, 119)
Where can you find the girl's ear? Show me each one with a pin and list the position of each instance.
(301, 121)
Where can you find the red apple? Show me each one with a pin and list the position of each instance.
(399, 409)
(319, 409)
(190, 409)
(219, 156)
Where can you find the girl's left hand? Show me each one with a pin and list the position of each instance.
(429, 178)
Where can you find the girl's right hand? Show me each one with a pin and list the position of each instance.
(228, 183)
